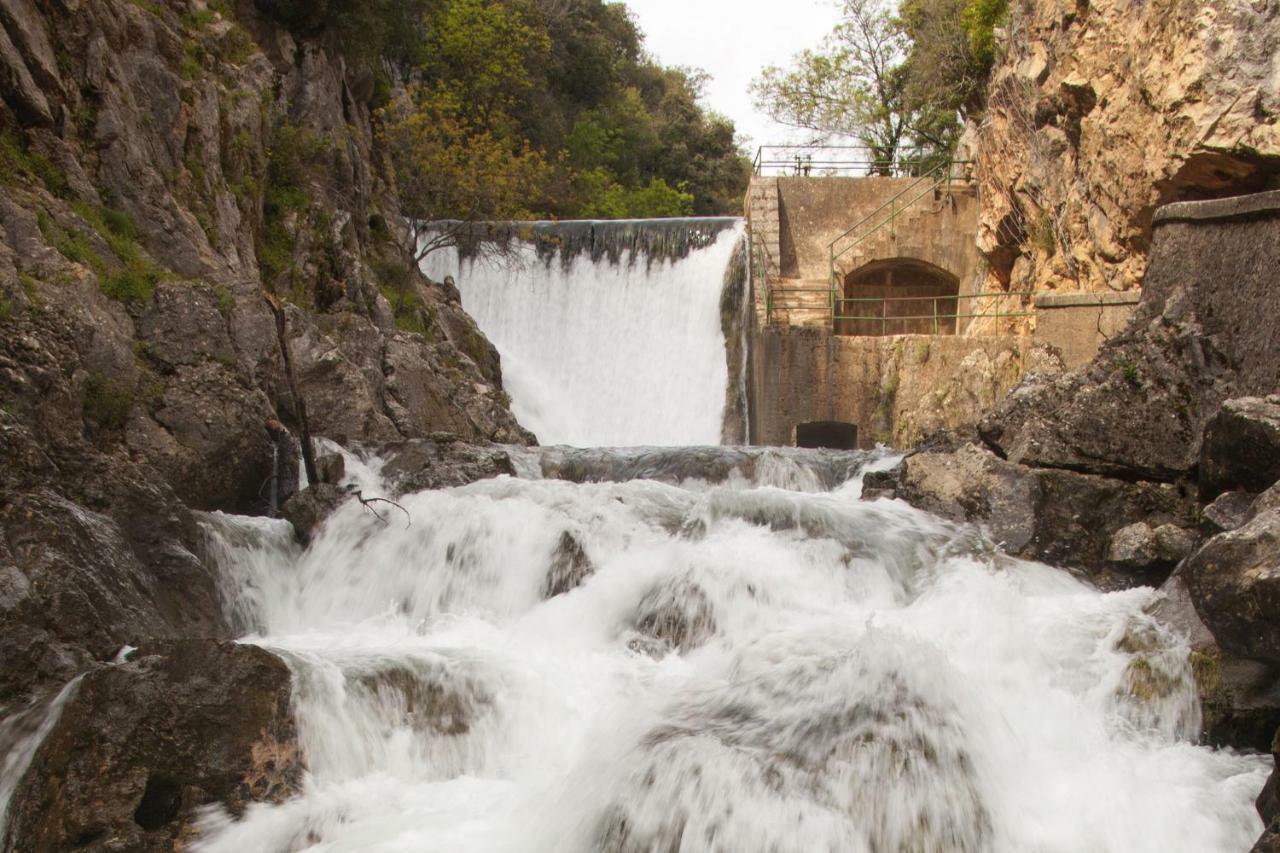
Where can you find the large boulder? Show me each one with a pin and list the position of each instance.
(142, 746)
(1234, 581)
(1241, 447)
(441, 462)
(77, 583)
(1060, 517)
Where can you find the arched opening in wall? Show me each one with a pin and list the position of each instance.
(834, 435)
(899, 296)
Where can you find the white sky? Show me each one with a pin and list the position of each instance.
(732, 40)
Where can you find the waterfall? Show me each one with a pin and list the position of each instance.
(714, 650)
(612, 333)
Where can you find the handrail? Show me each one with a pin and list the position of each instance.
(930, 177)
(804, 160)
(933, 179)
(936, 317)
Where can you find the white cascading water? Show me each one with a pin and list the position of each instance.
(765, 663)
(605, 348)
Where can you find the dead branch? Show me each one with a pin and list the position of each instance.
(367, 503)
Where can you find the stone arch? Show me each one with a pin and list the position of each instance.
(905, 296)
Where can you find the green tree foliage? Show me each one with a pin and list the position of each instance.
(898, 80)
(556, 96)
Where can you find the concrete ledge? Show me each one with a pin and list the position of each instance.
(1221, 208)
(1084, 299)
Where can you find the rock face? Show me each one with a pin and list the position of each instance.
(1241, 447)
(1138, 411)
(1235, 584)
(1102, 111)
(141, 746)
(146, 149)
(1059, 517)
(187, 196)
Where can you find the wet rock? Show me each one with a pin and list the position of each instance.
(570, 567)
(418, 465)
(1234, 581)
(675, 615)
(143, 745)
(1137, 546)
(1060, 517)
(429, 699)
(1270, 840)
(1228, 511)
(862, 750)
(1241, 448)
(331, 468)
(308, 509)
(1239, 698)
(78, 583)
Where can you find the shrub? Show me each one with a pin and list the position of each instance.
(106, 404)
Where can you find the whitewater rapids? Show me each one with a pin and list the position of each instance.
(761, 662)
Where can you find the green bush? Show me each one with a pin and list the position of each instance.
(17, 159)
(106, 404)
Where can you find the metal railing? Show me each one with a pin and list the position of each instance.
(939, 314)
(886, 215)
(832, 160)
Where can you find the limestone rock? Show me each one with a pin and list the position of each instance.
(181, 325)
(1059, 517)
(1241, 448)
(1138, 546)
(78, 584)
(421, 464)
(1228, 511)
(142, 745)
(570, 567)
(1102, 111)
(1139, 410)
(1234, 580)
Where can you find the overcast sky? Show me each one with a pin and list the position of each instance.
(732, 40)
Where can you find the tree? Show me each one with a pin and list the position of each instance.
(952, 51)
(852, 86)
(452, 170)
(899, 83)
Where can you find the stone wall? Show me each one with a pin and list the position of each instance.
(1078, 323)
(896, 390)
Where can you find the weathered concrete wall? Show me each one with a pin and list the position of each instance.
(1078, 323)
(896, 390)
(814, 211)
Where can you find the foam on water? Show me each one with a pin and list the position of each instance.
(733, 667)
(603, 346)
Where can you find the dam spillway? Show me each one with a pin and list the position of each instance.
(617, 333)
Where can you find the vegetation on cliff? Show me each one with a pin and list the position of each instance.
(519, 108)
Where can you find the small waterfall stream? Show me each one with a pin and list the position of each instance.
(612, 333)
(714, 650)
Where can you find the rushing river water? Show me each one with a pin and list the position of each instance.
(755, 661)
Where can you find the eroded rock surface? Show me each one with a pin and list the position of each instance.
(143, 745)
(1100, 112)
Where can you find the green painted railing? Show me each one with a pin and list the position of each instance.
(886, 215)
(939, 311)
